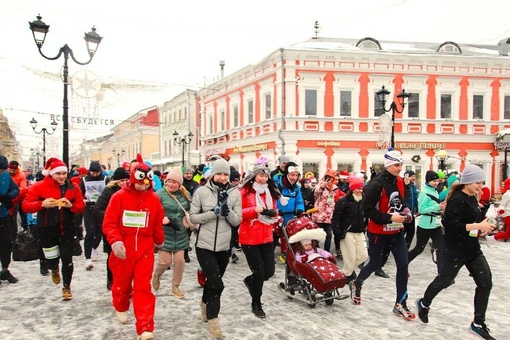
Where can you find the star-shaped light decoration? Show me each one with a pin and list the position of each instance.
(86, 84)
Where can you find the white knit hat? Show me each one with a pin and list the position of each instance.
(392, 157)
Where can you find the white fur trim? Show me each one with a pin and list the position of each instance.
(58, 169)
(309, 234)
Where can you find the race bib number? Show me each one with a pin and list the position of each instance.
(393, 226)
(330, 200)
(134, 219)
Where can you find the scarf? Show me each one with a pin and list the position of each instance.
(267, 204)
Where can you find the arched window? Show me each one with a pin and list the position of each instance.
(449, 47)
(369, 44)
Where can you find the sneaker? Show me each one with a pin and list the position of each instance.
(203, 310)
(43, 269)
(214, 328)
(186, 257)
(237, 248)
(234, 258)
(282, 258)
(355, 293)
(256, 308)
(55, 276)
(177, 292)
(482, 331)
(66, 293)
(338, 253)
(156, 281)
(88, 264)
(247, 283)
(94, 255)
(379, 272)
(7, 276)
(146, 335)
(122, 317)
(403, 311)
(423, 312)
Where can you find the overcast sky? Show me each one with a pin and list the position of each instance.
(173, 45)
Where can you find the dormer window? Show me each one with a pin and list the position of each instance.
(369, 44)
(449, 47)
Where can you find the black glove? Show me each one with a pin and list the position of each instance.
(269, 212)
(224, 210)
(222, 196)
(299, 212)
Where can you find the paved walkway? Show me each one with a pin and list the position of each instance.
(32, 308)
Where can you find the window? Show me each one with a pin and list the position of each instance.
(222, 120)
(268, 106)
(311, 102)
(345, 167)
(236, 116)
(369, 44)
(413, 106)
(310, 167)
(345, 103)
(378, 108)
(210, 124)
(506, 108)
(477, 106)
(449, 47)
(250, 111)
(446, 106)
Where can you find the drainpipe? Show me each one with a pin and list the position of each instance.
(280, 132)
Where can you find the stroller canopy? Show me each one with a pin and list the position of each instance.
(302, 228)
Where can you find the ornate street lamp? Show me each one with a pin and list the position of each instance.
(182, 140)
(382, 95)
(118, 154)
(39, 31)
(44, 131)
(442, 156)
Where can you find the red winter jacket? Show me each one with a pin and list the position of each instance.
(51, 217)
(129, 198)
(251, 230)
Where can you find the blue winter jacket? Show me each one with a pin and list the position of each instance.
(9, 190)
(294, 195)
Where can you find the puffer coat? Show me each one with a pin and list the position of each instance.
(175, 240)
(215, 232)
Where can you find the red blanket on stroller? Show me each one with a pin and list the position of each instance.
(321, 273)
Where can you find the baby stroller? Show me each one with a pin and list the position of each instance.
(316, 280)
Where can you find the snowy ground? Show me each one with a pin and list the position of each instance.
(33, 309)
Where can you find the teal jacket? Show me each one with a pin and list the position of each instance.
(175, 240)
(428, 207)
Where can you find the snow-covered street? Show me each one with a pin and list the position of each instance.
(33, 309)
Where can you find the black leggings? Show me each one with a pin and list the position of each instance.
(481, 273)
(422, 237)
(213, 265)
(6, 241)
(260, 258)
(52, 236)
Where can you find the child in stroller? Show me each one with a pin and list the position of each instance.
(311, 271)
(308, 250)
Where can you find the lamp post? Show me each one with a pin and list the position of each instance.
(44, 131)
(118, 154)
(382, 95)
(442, 156)
(39, 31)
(36, 154)
(182, 140)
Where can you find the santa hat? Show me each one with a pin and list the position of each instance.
(54, 165)
(344, 175)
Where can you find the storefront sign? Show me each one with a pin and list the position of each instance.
(250, 148)
(420, 145)
(327, 143)
(502, 145)
(215, 151)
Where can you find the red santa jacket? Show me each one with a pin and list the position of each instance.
(63, 217)
(116, 226)
(251, 230)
